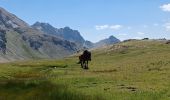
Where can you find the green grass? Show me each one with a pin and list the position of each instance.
(135, 70)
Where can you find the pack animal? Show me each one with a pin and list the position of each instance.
(84, 58)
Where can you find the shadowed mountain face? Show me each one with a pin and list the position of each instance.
(3, 41)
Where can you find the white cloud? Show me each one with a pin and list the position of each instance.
(141, 33)
(103, 27)
(165, 7)
(167, 26)
(116, 27)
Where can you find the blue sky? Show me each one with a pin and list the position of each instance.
(98, 19)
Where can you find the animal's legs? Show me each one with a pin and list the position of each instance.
(82, 64)
(87, 65)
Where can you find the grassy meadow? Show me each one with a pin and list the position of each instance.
(134, 70)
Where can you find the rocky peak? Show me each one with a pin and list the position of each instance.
(71, 35)
(113, 39)
(107, 41)
(66, 33)
(46, 28)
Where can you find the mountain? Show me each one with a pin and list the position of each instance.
(88, 44)
(19, 41)
(46, 28)
(73, 36)
(107, 41)
(101, 43)
(65, 33)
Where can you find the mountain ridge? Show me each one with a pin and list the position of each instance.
(66, 33)
(73, 35)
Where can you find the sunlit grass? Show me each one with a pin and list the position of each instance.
(137, 70)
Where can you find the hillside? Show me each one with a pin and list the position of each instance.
(19, 41)
(133, 70)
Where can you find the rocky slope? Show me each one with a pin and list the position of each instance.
(46, 28)
(66, 33)
(10, 21)
(19, 41)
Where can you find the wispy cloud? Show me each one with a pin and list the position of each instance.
(116, 27)
(165, 7)
(113, 27)
(101, 27)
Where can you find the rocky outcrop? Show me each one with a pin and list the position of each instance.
(3, 41)
(18, 40)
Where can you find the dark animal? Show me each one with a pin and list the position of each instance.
(84, 58)
(168, 42)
